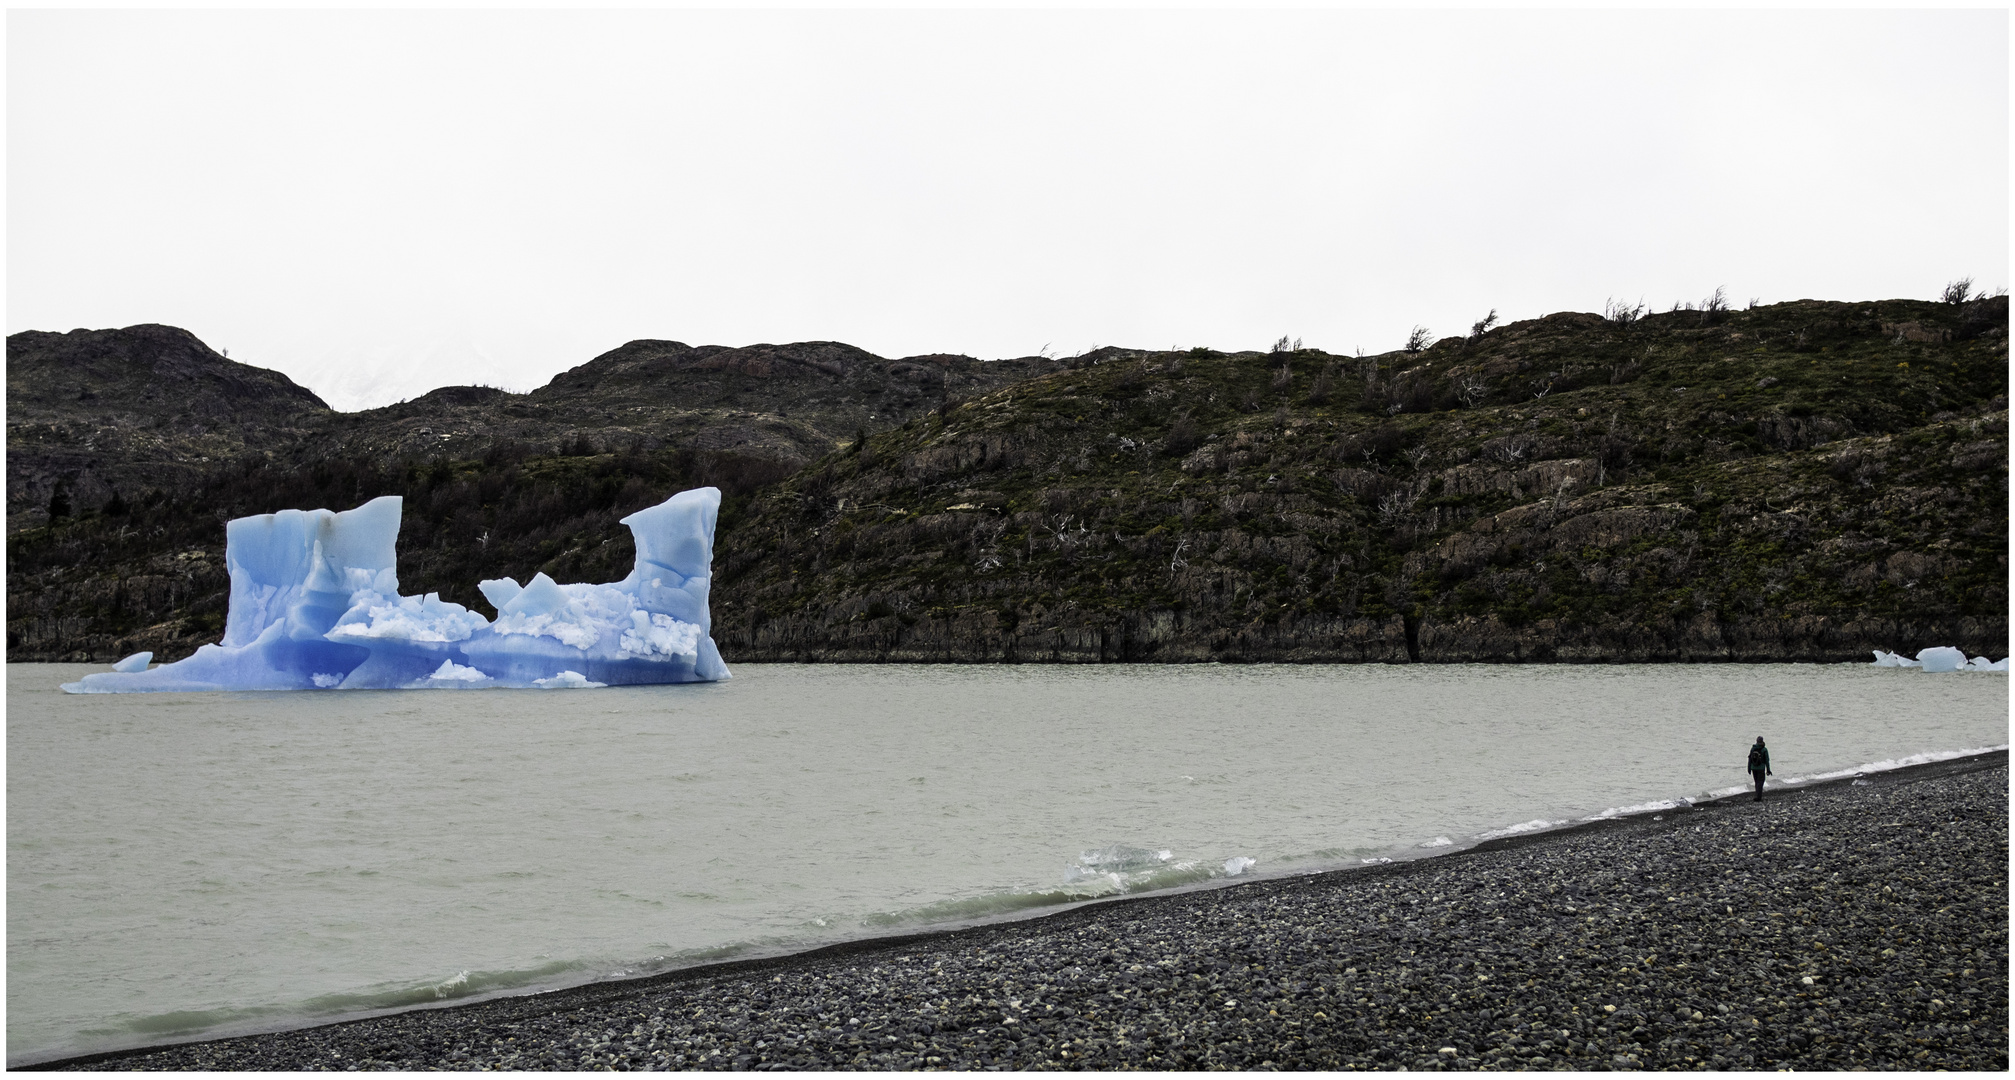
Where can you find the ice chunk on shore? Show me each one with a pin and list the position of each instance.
(315, 604)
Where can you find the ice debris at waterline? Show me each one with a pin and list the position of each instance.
(1940, 658)
(1124, 869)
(315, 604)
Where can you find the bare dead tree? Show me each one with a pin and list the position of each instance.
(1396, 504)
(1472, 388)
(1714, 305)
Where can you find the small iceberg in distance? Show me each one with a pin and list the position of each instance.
(1939, 658)
(315, 605)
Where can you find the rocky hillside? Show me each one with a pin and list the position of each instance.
(773, 408)
(153, 409)
(1801, 481)
(1804, 481)
(143, 441)
(99, 411)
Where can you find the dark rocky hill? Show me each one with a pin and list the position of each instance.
(1804, 481)
(151, 408)
(144, 440)
(778, 405)
(144, 407)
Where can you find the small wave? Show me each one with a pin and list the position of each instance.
(1015, 901)
(1117, 870)
(715, 954)
(1886, 765)
(1535, 825)
(131, 1030)
(1891, 764)
(1642, 808)
(1439, 841)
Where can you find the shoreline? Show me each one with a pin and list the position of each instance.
(1172, 946)
(1830, 657)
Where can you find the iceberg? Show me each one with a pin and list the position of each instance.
(1939, 658)
(315, 605)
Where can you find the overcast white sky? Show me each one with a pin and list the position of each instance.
(381, 202)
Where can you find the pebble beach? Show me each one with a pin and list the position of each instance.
(1860, 923)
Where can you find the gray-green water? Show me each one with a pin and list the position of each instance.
(182, 865)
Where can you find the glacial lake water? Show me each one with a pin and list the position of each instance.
(191, 865)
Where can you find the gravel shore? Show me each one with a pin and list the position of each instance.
(1848, 925)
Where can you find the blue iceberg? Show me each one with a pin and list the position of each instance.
(315, 604)
(1939, 658)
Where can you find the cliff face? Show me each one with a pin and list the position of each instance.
(1804, 481)
(1801, 482)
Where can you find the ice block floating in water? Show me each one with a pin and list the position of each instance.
(1940, 658)
(315, 604)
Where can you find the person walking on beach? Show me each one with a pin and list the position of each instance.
(1759, 765)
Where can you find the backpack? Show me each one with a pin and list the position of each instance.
(1756, 759)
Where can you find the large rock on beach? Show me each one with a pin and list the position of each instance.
(1859, 924)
